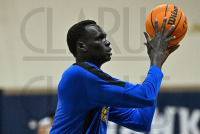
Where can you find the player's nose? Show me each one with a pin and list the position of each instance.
(107, 43)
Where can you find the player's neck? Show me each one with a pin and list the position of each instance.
(93, 62)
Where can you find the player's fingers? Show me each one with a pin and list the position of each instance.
(148, 46)
(170, 39)
(168, 31)
(147, 37)
(156, 27)
(163, 26)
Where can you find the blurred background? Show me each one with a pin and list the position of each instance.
(34, 54)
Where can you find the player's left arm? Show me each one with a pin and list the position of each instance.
(139, 119)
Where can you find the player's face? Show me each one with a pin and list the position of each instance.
(98, 47)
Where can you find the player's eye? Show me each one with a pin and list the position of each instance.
(99, 38)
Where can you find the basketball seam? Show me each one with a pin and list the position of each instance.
(176, 25)
(166, 10)
(151, 19)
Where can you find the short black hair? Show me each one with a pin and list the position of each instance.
(74, 34)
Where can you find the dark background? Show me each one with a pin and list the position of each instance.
(18, 110)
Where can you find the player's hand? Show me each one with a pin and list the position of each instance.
(170, 49)
(158, 46)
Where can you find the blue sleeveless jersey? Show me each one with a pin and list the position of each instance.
(88, 98)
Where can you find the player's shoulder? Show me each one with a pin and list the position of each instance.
(74, 70)
(91, 69)
(95, 74)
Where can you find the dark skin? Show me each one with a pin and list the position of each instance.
(157, 48)
(94, 48)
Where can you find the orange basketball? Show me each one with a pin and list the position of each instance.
(174, 16)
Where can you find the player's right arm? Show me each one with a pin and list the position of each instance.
(103, 90)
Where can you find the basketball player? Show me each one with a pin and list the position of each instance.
(89, 97)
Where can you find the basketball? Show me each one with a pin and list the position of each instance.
(174, 16)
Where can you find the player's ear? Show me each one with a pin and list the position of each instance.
(81, 46)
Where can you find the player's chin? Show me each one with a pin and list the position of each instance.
(108, 58)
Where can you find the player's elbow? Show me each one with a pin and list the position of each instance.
(147, 128)
(145, 123)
